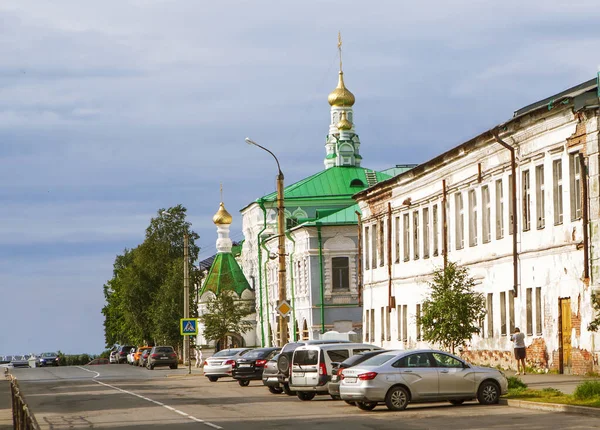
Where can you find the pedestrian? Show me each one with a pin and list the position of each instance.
(518, 340)
(198, 356)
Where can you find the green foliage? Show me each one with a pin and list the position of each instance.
(144, 298)
(514, 382)
(452, 311)
(587, 390)
(225, 315)
(74, 359)
(594, 325)
(552, 392)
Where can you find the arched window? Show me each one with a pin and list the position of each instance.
(341, 274)
(357, 183)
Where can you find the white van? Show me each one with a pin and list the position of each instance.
(311, 366)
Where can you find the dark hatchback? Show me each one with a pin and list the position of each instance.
(336, 369)
(250, 366)
(162, 356)
(49, 359)
(122, 353)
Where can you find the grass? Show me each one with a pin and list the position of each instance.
(586, 394)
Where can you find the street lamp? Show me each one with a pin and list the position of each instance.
(283, 323)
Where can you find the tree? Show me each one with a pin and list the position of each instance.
(225, 315)
(451, 314)
(594, 325)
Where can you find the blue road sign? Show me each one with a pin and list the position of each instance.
(188, 326)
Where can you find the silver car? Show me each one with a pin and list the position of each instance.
(398, 378)
(221, 363)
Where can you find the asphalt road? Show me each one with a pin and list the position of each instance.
(121, 396)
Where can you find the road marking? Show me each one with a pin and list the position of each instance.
(150, 400)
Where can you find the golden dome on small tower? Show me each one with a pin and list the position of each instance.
(341, 96)
(344, 124)
(222, 216)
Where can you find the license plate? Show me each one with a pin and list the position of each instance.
(334, 378)
(297, 375)
(350, 380)
(164, 358)
(245, 365)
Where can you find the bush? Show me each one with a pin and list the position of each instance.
(587, 390)
(514, 382)
(552, 392)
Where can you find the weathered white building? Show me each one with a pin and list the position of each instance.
(460, 206)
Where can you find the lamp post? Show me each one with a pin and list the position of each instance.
(283, 321)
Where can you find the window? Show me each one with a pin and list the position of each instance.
(341, 273)
(381, 242)
(529, 311)
(511, 221)
(418, 322)
(435, 231)
(557, 191)
(538, 310)
(399, 321)
(499, 210)
(372, 325)
(472, 218)
(388, 317)
(459, 217)
(490, 315)
(397, 238)
(511, 311)
(367, 328)
(406, 227)
(382, 325)
(405, 323)
(337, 356)
(366, 248)
(444, 360)
(503, 313)
(425, 232)
(447, 226)
(416, 246)
(291, 222)
(486, 214)
(374, 247)
(526, 191)
(540, 203)
(575, 179)
(414, 360)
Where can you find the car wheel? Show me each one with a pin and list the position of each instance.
(243, 382)
(349, 402)
(457, 402)
(174, 366)
(396, 399)
(366, 406)
(286, 389)
(334, 397)
(305, 395)
(213, 378)
(275, 390)
(488, 393)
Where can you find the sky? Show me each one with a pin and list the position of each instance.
(113, 109)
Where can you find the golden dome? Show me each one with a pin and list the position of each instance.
(222, 216)
(344, 124)
(341, 96)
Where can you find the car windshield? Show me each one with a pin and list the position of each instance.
(306, 357)
(256, 354)
(227, 352)
(275, 358)
(48, 354)
(163, 349)
(378, 360)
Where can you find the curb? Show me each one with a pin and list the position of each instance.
(186, 375)
(552, 407)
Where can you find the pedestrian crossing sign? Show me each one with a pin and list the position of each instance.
(188, 326)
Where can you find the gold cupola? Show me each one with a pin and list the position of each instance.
(222, 216)
(344, 124)
(341, 96)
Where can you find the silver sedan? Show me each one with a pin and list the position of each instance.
(398, 378)
(222, 362)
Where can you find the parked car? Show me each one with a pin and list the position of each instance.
(138, 353)
(285, 358)
(337, 368)
(269, 376)
(221, 363)
(312, 366)
(113, 358)
(122, 352)
(251, 365)
(48, 359)
(144, 357)
(20, 361)
(398, 378)
(162, 356)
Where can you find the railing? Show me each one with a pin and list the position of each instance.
(23, 419)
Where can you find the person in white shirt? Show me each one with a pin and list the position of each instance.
(518, 340)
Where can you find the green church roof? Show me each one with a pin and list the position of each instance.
(225, 274)
(346, 216)
(339, 181)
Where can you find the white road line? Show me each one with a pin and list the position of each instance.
(150, 400)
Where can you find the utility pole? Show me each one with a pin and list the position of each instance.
(186, 297)
(283, 321)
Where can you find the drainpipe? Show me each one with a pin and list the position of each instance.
(444, 224)
(513, 168)
(359, 261)
(391, 299)
(260, 280)
(585, 219)
(321, 276)
(289, 236)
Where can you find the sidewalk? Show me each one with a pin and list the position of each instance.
(5, 406)
(564, 383)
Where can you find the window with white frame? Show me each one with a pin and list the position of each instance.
(557, 191)
(486, 214)
(490, 315)
(472, 218)
(397, 238)
(366, 247)
(367, 326)
(425, 232)
(538, 310)
(575, 180)
(381, 251)
(511, 221)
(402, 314)
(340, 273)
(526, 193)
(416, 246)
(382, 323)
(435, 231)
(529, 311)
(447, 227)
(374, 246)
(540, 202)
(406, 228)
(503, 313)
(459, 219)
(388, 328)
(499, 210)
